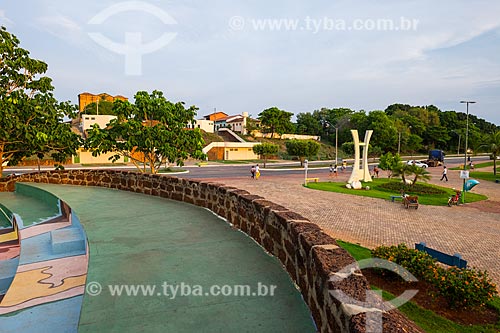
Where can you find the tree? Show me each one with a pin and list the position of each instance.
(265, 150)
(491, 144)
(274, 120)
(153, 128)
(420, 174)
(302, 148)
(308, 124)
(404, 170)
(388, 162)
(30, 117)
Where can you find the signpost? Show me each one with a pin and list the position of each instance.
(306, 162)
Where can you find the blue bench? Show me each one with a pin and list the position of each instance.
(454, 260)
(394, 197)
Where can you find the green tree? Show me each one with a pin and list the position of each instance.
(102, 108)
(153, 127)
(302, 148)
(491, 144)
(420, 174)
(274, 120)
(30, 117)
(307, 123)
(388, 162)
(265, 150)
(385, 134)
(403, 170)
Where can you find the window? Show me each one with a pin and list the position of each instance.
(93, 118)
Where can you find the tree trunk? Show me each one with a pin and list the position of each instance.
(265, 160)
(494, 165)
(38, 163)
(1, 161)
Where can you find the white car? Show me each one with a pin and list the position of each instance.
(417, 163)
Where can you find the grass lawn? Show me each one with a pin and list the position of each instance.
(171, 170)
(480, 165)
(485, 175)
(376, 191)
(426, 319)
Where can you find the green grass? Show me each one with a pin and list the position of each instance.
(376, 191)
(311, 166)
(426, 319)
(358, 252)
(485, 175)
(479, 165)
(171, 170)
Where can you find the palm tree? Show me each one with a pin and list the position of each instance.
(404, 170)
(420, 174)
(492, 144)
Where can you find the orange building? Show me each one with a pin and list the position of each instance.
(86, 98)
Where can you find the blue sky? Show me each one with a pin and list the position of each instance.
(223, 54)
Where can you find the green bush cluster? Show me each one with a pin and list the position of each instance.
(418, 188)
(462, 287)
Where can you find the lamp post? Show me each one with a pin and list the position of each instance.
(466, 144)
(399, 142)
(336, 144)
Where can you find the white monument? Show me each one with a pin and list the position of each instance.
(363, 173)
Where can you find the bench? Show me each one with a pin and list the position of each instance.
(454, 260)
(308, 180)
(394, 197)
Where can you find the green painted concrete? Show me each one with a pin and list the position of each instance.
(30, 209)
(143, 240)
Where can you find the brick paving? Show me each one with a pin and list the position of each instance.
(472, 230)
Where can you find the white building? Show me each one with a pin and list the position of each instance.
(203, 124)
(88, 120)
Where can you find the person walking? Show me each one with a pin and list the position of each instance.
(252, 171)
(257, 172)
(335, 171)
(331, 171)
(445, 173)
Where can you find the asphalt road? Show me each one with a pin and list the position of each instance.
(237, 170)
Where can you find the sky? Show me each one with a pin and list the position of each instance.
(246, 56)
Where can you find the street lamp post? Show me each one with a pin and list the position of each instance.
(399, 142)
(466, 144)
(336, 144)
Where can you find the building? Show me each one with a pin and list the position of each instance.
(88, 120)
(86, 98)
(203, 124)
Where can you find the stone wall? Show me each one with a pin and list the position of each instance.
(310, 256)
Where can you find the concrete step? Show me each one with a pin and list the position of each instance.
(67, 240)
(8, 270)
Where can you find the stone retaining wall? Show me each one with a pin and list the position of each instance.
(310, 256)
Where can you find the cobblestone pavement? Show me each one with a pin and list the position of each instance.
(470, 230)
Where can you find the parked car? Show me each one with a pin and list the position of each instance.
(417, 163)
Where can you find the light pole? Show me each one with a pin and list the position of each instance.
(466, 143)
(399, 142)
(336, 144)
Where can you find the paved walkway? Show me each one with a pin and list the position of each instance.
(472, 230)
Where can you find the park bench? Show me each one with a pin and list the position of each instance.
(394, 197)
(450, 260)
(308, 180)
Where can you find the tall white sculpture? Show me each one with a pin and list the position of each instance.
(363, 173)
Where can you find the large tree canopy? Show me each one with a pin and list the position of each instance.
(30, 116)
(153, 130)
(274, 120)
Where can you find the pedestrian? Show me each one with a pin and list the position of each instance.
(375, 171)
(344, 165)
(335, 171)
(252, 171)
(331, 171)
(257, 171)
(471, 166)
(445, 173)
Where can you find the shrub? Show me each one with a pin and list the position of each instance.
(464, 287)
